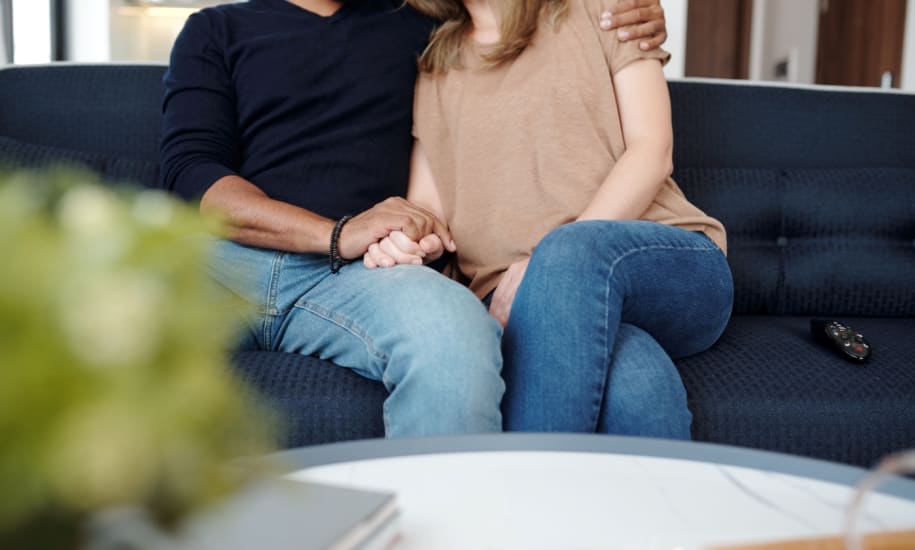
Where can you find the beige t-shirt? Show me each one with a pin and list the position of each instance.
(520, 149)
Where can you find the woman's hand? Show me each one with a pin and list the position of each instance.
(637, 20)
(502, 299)
(397, 249)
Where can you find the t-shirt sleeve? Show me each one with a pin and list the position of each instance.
(620, 54)
(200, 138)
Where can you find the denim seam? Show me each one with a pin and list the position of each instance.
(272, 294)
(647, 248)
(346, 324)
(659, 247)
(609, 359)
(385, 415)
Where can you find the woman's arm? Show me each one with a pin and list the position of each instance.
(633, 183)
(421, 190)
(397, 248)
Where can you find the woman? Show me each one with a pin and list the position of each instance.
(547, 147)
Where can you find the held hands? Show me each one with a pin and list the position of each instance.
(393, 215)
(414, 236)
(397, 248)
(637, 20)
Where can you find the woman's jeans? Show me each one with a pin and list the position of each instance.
(428, 339)
(602, 308)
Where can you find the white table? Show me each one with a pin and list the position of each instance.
(532, 491)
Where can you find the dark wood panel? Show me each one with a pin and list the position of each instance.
(718, 38)
(859, 41)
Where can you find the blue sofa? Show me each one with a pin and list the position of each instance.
(815, 186)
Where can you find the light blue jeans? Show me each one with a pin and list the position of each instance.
(428, 339)
(601, 310)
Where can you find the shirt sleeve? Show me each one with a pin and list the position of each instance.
(620, 54)
(200, 137)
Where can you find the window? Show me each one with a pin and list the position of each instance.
(6, 31)
(31, 26)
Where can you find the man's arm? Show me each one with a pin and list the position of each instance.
(255, 219)
(201, 150)
(637, 20)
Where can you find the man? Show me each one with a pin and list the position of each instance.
(286, 117)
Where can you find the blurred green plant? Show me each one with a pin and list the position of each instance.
(115, 389)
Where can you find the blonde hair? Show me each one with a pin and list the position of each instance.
(518, 20)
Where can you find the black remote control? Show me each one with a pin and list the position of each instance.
(844, 339)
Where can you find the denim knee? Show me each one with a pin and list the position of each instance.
(457, 344)
(445, 360)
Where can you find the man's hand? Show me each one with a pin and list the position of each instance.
(393, 214)
(502, 299)
(397, 248)
(637, 20)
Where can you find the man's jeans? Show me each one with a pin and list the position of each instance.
(425, 337)
(601, 310)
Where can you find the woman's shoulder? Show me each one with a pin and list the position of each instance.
(589, 9)
(583, 16)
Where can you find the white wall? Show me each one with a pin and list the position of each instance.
(675, 13)
(101, 30)
(908, 53)
(88, 32)
(109, 30)
(144, 33)
(784, 30)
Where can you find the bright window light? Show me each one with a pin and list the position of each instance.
(31, 31)
(157, 11)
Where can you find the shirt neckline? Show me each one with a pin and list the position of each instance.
(293, 9)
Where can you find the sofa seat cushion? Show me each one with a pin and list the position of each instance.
(316, 401)
(766, 384)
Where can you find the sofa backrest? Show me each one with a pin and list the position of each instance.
(815, 186)
(103, 117)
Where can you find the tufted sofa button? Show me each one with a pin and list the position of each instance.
(781, 242)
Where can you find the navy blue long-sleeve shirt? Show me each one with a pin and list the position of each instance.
(316, 111)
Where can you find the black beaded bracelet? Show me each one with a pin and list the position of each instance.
(336, 262)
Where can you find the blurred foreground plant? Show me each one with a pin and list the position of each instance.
(114, 384)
